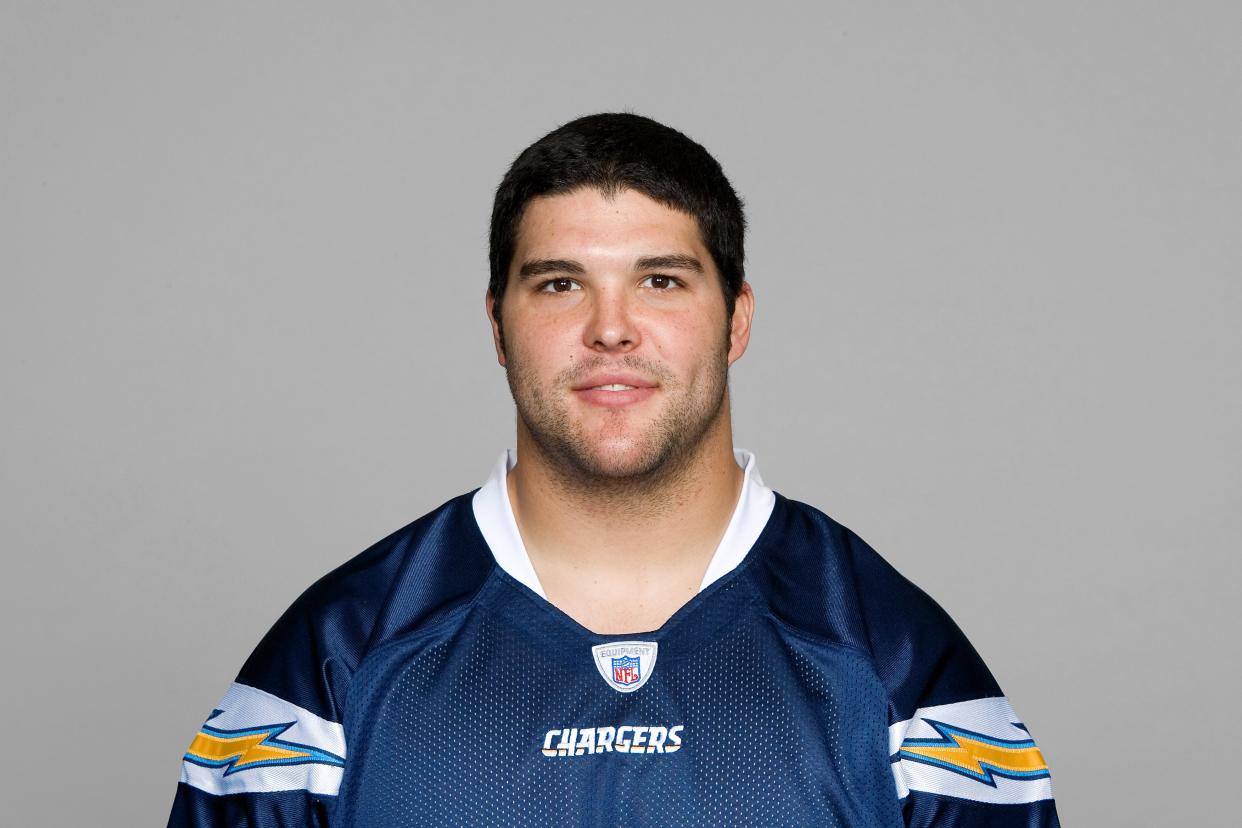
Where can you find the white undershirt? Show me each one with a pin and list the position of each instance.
(494, 514)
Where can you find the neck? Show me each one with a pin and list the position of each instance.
(581, 530)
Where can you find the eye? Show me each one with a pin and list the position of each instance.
(660, 282)
(559, 286)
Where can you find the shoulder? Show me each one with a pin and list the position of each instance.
(822, 577)
(408, 579)
(956, 744)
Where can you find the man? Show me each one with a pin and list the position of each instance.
(624, 624)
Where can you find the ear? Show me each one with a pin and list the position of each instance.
(739, 326)
(489, 304)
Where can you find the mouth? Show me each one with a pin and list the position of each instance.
(614, 391)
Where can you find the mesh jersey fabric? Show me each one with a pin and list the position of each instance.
(421, 684)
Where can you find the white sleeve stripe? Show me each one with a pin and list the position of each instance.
(261, 743)
(899, 780)
(970, 750)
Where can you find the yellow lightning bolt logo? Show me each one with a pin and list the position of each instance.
(976, 755)
(256, 747)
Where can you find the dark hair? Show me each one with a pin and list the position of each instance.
(614, 151)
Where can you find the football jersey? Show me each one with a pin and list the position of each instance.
(428, 681)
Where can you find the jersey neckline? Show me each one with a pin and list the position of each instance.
(494, 515)
(704, 618)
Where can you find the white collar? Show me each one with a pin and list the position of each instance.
(494, 514)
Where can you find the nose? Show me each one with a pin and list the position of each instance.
(612, 325)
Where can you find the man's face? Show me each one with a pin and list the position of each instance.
(616, 345)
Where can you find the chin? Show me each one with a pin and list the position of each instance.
(622, 457)
(611, 459)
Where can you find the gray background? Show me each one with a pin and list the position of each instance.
(995, 248)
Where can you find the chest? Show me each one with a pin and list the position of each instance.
(503, 722)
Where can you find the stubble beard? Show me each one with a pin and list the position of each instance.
(657, 457)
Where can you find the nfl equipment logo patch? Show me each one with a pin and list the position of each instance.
(625, 665)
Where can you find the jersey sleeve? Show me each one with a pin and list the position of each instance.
(273, 750)
(259, 760)
(960, 755)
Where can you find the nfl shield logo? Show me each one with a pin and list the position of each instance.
(625, 670)
(625, 665)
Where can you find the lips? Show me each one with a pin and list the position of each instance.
(614, 383)
(614, 390)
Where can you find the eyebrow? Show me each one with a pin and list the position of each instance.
(539, 267)
(670, 261)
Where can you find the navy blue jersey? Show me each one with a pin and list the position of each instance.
(428, 682)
